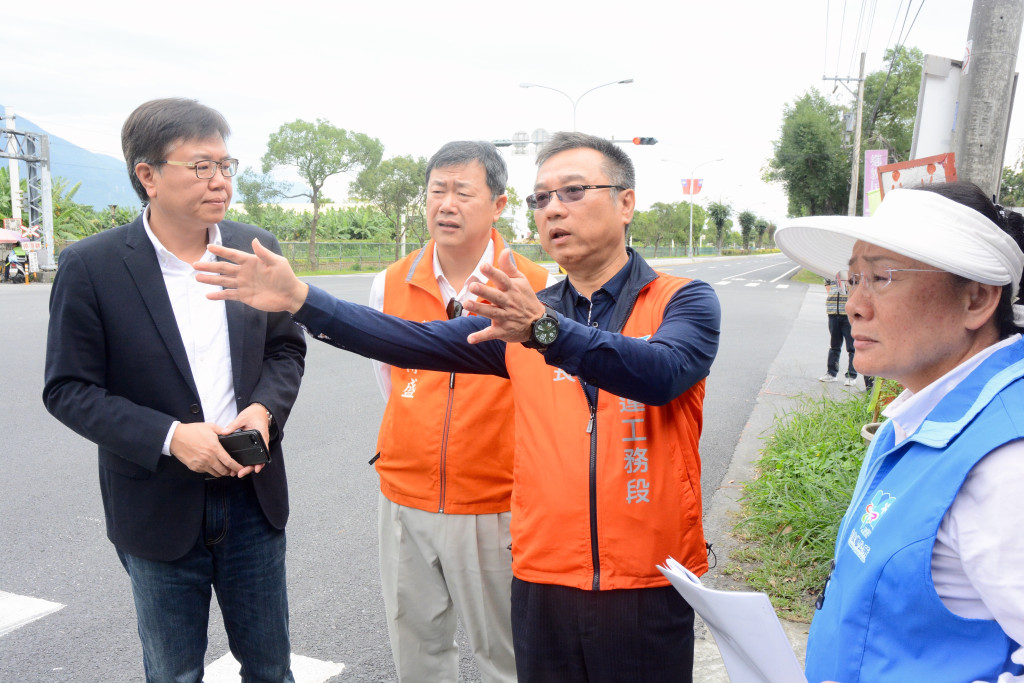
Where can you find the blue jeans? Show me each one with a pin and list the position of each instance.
(242, 557)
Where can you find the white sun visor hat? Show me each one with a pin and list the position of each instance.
(921, 225)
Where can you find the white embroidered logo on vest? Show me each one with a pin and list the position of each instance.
(873, 511)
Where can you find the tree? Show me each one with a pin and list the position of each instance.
(531, 226)
(760, 227)
(506, 224)
(397, 188)
(747, 220)
(809, 158)
(257, 190)
(319, 151)
(718, 214)
(892, 96)
(1011, 189)
(661, 224)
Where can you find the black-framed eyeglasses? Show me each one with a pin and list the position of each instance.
(876, 282)
(454, 309)
(207, 168)
(567, 194)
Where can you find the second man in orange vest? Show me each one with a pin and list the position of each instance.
(444, 451)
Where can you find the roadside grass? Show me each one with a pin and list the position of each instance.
(791, 511)
(807, 277)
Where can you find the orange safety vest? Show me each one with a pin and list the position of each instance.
(446, 441)
(602, 497)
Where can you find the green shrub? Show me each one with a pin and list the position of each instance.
(792, 510)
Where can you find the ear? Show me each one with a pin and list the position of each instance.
(499, 207)
(981, 302)
(147, 176)
(627, 203)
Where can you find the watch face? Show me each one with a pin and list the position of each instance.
(546, 331)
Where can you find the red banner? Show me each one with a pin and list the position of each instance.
(693, 184)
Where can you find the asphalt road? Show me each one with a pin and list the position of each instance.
(52, 539)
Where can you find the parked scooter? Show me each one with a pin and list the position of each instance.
(16, 268)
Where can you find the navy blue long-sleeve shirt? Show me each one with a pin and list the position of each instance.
(653, 371)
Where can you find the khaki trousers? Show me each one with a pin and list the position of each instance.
(436, 568)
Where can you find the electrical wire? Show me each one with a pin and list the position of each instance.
(856, 38)
(842, 27)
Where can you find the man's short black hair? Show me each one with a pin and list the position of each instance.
(150, 130)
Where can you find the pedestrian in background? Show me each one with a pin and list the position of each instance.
(839, 331)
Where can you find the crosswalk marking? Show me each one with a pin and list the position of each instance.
(758, 283)
(304, 669)
(18, 610)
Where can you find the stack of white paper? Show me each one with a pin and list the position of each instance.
(753, 645)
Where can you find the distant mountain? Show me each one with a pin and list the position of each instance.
(104, 179)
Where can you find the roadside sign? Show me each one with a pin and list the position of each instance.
(12, 223)
(32, 246)
(30, 231)
(940, 168)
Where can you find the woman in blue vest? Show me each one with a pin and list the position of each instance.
(928, 577)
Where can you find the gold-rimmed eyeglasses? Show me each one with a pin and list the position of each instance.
(207, 168)
(876, 282)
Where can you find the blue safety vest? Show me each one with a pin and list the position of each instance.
(881, 619)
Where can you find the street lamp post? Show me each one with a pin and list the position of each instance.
(569, 97)
(693, 176)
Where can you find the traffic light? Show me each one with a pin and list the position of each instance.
(645, 141)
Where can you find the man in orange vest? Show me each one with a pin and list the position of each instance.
(444, 451)
(607, 370)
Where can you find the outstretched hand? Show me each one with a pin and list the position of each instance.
(262, 279)
(508, 300)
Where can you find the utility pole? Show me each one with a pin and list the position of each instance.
(986, 92)
(855, 165)
(855, 161)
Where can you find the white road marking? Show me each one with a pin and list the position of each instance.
(304, 669)
(18, 610)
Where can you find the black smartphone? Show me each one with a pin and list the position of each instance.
(246, 446)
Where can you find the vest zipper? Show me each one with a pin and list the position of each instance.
(444, 440)
(595, 557)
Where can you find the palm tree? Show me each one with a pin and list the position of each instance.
(719, 212)
(761, 227)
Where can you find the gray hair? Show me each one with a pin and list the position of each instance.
(462, 152)
(617, 165)
(154, 126)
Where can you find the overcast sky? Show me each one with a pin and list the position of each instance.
(710, 78)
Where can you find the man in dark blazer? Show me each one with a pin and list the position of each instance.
(138, 363)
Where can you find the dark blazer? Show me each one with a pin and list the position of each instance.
(117, 373)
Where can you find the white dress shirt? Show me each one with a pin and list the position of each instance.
(203, 325)
(978, 559)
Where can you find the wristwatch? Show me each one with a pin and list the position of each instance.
(544, 331)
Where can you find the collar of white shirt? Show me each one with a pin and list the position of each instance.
(169, 261)
(448, 291)
(909, 410)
